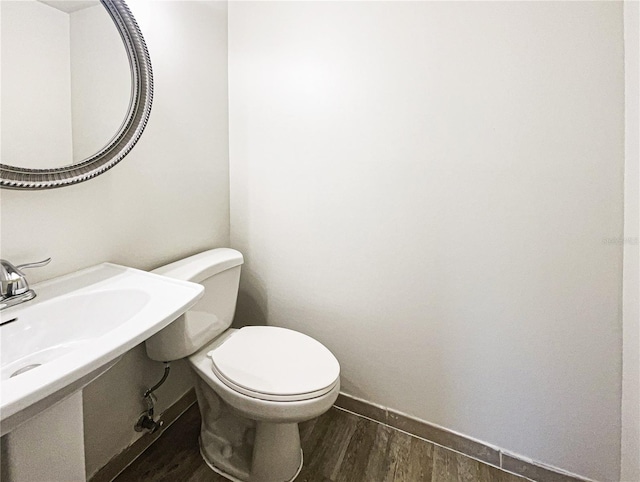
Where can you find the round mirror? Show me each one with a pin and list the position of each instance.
(75, 92)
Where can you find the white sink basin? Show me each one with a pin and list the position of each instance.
(76, 328)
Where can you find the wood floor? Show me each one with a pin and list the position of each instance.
(338, 447)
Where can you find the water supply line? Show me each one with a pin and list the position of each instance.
(147, 420)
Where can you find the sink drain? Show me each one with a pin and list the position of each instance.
(25, 369)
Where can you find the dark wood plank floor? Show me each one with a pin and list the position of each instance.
(338, 447)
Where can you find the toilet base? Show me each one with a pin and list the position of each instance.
(235, 479)
(242, 449)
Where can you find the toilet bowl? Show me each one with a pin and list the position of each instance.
(253, 384)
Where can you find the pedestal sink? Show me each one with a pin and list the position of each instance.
(50, 347)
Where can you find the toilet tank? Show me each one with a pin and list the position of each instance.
(218, 270)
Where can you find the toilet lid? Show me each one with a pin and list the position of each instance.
(274, 363)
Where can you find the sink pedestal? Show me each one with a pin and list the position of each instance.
(52, 346)
(49, 447)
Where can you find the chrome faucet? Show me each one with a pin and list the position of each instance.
(14, 288)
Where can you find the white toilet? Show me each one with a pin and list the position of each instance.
(254, 384)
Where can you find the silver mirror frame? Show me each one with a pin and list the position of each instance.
(12, 177)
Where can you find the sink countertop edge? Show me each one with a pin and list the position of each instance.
(33, 386)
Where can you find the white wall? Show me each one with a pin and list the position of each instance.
(168, 199)
(430, 189)
(35, 80)
(630, 464)
(100, 80)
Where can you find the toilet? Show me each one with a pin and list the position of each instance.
(253, 384)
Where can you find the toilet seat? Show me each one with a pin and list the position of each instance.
(277, 364)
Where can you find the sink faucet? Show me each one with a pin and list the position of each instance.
(14, 288)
